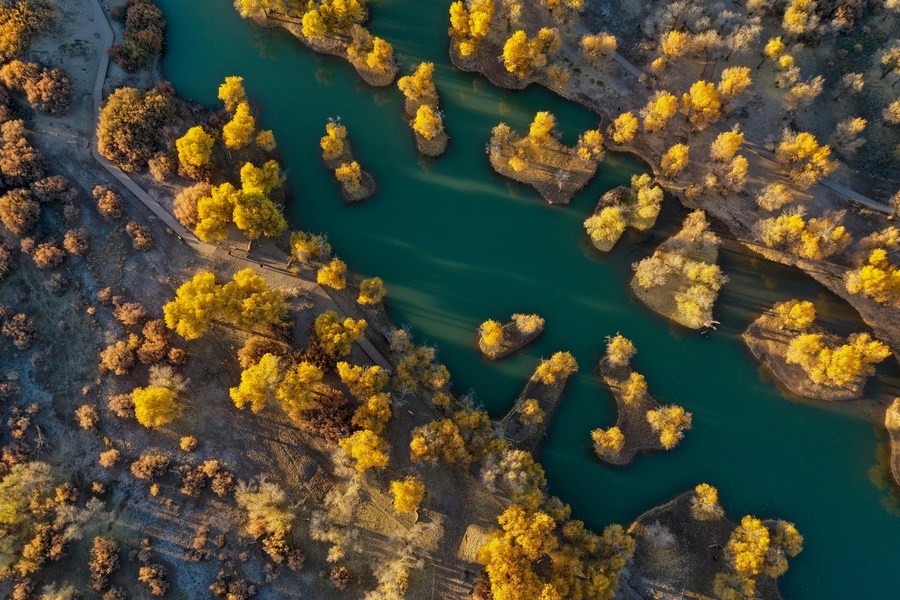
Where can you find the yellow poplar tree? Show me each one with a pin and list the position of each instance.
(333, 274)
(623, 128)
(419, 85)
(238, 132)
(428, 122)
(259, 384)
(408, 494)
(155, 406)
(675, 159)
(232, 93)
(195, 305)
(661, 107)
(300, 388)
(702, 104)
(195, 147)
(371, 291)
(366, 448)
(337, 336)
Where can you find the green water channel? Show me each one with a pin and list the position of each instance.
(457, 244)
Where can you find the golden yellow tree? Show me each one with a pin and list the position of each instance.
(490, 335)
(238, 132)
(408, 494)
(195, 147)
(619, 350)
(337, 336)
(349, 175)
(419, 85)
(675, 159)
(607, 225)
(333, 274)
(300, 389)
(726, 145)
(733, 81)
(468, 26)
(265, 141)
(196, 304)
(232, 93)
(259, 384)
(598, 46)
(373, 413)
(428, 122)
(371, 291)
(878, 278)
(608, 441)
(307, 247)
(670, 422)
(560, 365)
(333, 141)
(366, 448)
(795, 315)
(661, 107)
(702, 104)
(216, 212)
(362, 381)
(705, 503)
(623, 128)
(155, 406)
(803, 158)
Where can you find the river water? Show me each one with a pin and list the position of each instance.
(457, 244)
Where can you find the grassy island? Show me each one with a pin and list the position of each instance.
(636, 206)
(422, 108)
(681, 280)
(525, 425)
(892, 424)
(356, 185)
(497, 340)
(335, 28)
(689, 548)
(642, 424)
(809, 360)
(540, 160)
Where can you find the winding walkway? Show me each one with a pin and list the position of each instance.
(273, 271)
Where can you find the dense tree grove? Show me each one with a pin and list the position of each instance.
(19, 21)
(145, 28)
(470, 22)
(246, 302)
(46, 89)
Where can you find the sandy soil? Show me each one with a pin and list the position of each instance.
(892, 424)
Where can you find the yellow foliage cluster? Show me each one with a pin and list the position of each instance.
(297, 387)
(607, 225)
(608, 441)
(839, 366)
(417, 372)
(332, 142)
(675, 159)
(265, 141)
(815, 239)
(333, 274)
(249, 208)
(670, 422)
(238, 132)
(491, 335)
(246, 302)
(796, 315)
(428, 122)
(803, 158)
(702, 104)
(598, 45)
(468, 26)
(774, 196)
(590, 145)
(155, 406)
(371, 291)
(362, 381)
(619, 350)
(774, 48)
(726, 145)
(419, 85)
(408, 494)
(800, 17)
(195, 147)
(733, 81)
(560, 365)
(307, 247)
(366, 448)
(349, 175)
(337, 336)
(661, 107)
(521, 55)
(531, 413)
(232, 93)
(623, 128)
(528, 324)
(580, 564)
(439, 440)
(878, 278)
(752, 550)
(705, 503)
(634, 388)
(374, 413)
(327, 18)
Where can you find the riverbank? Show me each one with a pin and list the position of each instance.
(892, 424)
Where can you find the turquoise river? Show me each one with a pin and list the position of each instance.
(457, 244)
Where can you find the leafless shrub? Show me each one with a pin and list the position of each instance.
(149, 466)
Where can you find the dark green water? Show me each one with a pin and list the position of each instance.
(457, 244)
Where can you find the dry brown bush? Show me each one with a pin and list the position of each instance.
(149, 466)
(163, 166)
(75, 242)
(121, 405)
(48, 90)
(117, 358)
(47, 255)
(109, 458)
(19, 211)
(130, 314)
(188, 443)
(109, 203)
(20, 162)
(104, 562)
(18, 328)
(185, 203)
(87, 416)
(141, 238)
